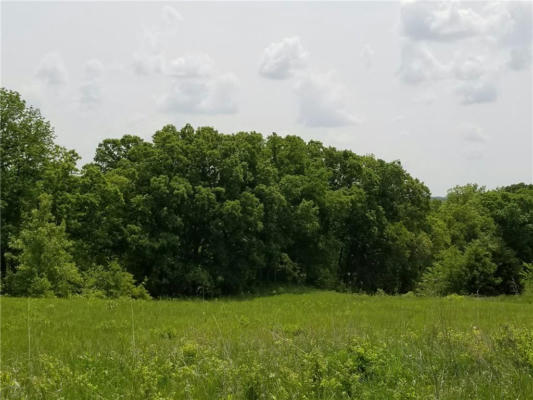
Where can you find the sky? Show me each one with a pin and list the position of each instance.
(446, 88)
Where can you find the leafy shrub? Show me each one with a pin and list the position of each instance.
(43, 264)
(470, 271)
(112, 282)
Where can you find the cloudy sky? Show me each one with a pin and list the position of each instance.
(445, 88)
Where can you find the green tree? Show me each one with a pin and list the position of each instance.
(42, 263)
(477, 239)
(26, 147)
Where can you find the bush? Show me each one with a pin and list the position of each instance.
(112, 282)
(471, 271)
(43, 265)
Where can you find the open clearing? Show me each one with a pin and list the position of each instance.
(316, 345)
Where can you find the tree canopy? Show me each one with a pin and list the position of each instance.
(198, 212)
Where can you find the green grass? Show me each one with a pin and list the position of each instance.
(316, 345)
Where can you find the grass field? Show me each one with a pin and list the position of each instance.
(315, 345)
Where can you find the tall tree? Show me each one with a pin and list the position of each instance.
(26, 148)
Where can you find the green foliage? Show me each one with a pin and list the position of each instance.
(29, 162)
(198, 213)
(202, 213)
(478, 241)
(44, 266)
(111, 282)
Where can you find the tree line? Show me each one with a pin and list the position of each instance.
(197, 212)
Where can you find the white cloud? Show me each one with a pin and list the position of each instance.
(195, 84)
(221, 98)
(202, 96)
(495, 37)
(506, 24)
(418, 64)
(322, 101)
(49, 83)
(450, 20)
(191, 66)
(471, 68)
(149, 57)
(425, 20)
(475, 92)
(473, 77)
(281, 59)
(52, 71)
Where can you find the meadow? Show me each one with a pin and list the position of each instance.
(310, 345)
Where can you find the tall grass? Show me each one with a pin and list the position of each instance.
(318, 345)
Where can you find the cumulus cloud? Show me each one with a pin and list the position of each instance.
(496, 37)
(423, 20)
(198, 87)
(322, 101)
(150, 57)
(506, 24)
(191, 66)
(195, 84)
(52, 71)
(471, 68)
(418, 64)
(475, 92)
(49, 83)
(202, 96)
(281, 59)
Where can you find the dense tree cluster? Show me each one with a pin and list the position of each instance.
(482, 241)
(197, 212)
